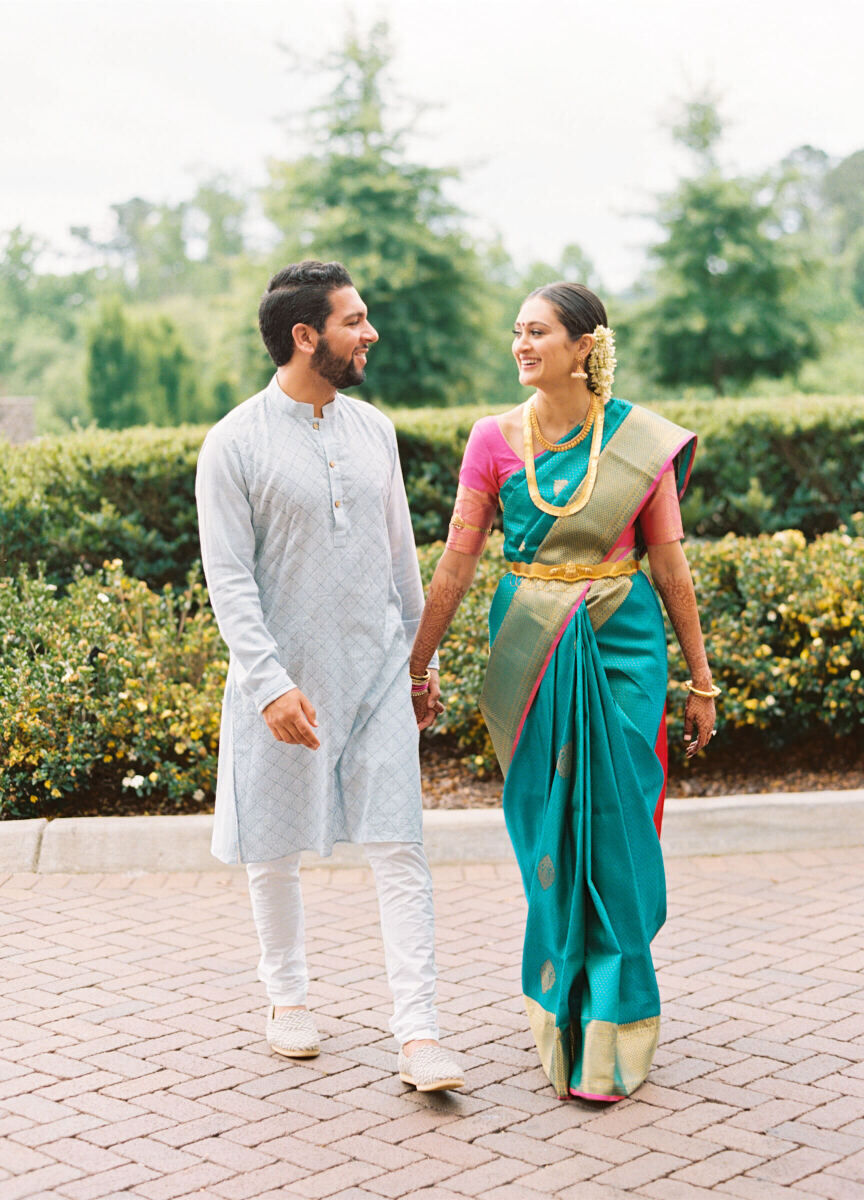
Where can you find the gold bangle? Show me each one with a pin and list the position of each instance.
(424, 678)
(712, 695)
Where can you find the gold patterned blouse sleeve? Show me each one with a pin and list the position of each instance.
(660, 519)
(471, 523)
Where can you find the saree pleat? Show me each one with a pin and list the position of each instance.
(574, 699)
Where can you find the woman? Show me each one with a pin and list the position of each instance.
(574, 696)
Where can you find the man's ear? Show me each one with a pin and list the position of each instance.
(305, 338)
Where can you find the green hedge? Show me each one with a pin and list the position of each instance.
(77, 500)
(783, 625)
(112, 685)
(74, 501)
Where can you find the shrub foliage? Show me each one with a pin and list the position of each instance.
(75, 501)
(78, 500)
(113, 685)
(782, 622)
(109, 686)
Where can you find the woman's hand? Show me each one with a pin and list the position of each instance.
(699, 715)
(428, 706)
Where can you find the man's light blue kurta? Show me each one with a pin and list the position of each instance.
(312, 571)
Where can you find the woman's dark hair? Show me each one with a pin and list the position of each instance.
(577, 308)
(299, 294)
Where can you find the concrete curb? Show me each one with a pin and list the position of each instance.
(692, 826)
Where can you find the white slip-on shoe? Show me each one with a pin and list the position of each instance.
(293, 1034)
(430, 1069)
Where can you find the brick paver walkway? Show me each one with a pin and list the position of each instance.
(132, 1061)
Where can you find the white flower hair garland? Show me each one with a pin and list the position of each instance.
(602, 362)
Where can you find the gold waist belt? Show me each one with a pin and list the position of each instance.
(573, 572)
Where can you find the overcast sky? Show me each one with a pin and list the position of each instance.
(555, 111)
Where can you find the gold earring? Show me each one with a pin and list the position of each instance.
(579, 373)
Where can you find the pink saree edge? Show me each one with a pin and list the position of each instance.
(695, 440)
(591, 1096)
(667, 463)
(545, 666)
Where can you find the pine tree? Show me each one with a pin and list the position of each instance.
(726, 309)
(357, 198)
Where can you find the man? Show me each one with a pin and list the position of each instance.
(312, 570)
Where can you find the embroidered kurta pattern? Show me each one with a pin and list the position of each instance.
(312, 570)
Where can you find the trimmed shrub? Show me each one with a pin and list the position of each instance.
(108, 686)
(74, 501)
(782, 622)
(112, 685)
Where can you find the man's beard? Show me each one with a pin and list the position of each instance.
(340, 372)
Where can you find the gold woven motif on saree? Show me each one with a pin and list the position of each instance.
(629, 464)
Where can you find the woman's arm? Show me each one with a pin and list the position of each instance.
(452, 579)
(670, 572)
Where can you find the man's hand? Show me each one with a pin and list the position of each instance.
(428, 706)
(291, 718)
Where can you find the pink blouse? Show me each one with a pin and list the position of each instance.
(489, 460)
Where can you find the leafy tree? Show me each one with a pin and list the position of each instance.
(20, 253)
(699, 127)
(112, 369)
(726, 309)
(222, 212)
(574, 265)
(843, 189)
(138, 371)
(148, 245)
(355, 197)
(797, 190)
(855, 255)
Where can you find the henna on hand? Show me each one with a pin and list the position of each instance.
(670, 572)
(452, 579)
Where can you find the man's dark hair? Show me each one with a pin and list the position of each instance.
(299, 294)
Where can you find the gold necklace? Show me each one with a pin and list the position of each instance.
(587, 487)
(558, 447)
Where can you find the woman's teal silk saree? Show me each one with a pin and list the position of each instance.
(574, 700)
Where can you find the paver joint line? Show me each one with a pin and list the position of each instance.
(132, 1059)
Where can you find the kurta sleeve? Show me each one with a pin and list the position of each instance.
(228, 555)
(403, 552)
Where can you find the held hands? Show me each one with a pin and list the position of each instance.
(699, 715)
(291, 718)
(428, 706)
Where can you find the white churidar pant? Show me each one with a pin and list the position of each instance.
(404, 887)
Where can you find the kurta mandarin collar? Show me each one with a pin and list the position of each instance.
(294, 408)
